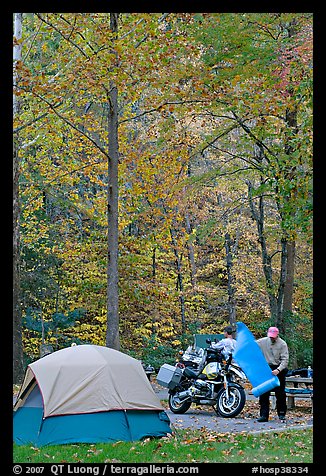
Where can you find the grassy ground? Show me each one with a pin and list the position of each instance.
(185, 446)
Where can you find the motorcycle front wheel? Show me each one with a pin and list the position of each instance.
(231, 404)
(176, 406)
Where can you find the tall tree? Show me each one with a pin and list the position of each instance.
(17, 312)
(112, 332)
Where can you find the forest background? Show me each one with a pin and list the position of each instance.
(162, 180)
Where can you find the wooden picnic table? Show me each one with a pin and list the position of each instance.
(296, 384)
(296, 380)
(293, 391)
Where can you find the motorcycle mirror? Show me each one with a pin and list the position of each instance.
(208, 341)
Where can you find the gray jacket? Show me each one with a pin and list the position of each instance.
(276, 353)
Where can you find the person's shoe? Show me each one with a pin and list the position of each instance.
(282, 417)
(262, 419)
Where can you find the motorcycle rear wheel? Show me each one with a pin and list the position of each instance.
(178, 407)
(232, 406)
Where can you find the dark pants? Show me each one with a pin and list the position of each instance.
(279, 394)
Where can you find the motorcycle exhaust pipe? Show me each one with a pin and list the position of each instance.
(183, 395)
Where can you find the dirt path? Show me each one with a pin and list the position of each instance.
(205, 417)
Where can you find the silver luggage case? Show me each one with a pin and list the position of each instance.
(169, 376)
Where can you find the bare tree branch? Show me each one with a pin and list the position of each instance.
(166, 103)
(73, 126)
(63, 36)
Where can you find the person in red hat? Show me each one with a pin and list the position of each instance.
(276, 353)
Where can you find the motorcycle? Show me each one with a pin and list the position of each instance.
(213, 381)
(193, 357)
(196, 357)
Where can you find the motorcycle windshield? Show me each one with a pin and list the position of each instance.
(252, 361)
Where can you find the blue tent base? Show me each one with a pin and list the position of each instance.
(105, 427)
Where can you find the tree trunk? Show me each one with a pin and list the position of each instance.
(288, 294)
(291, 120)
(112, 332)
(288, 287)
(258, 217)
(281, 286)
(18, 367)
(276, 296)
(191, 251)
(179, 284)
(191, 254)
(154, 264)
(231, 288)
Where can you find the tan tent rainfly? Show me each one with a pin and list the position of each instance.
(87, 379)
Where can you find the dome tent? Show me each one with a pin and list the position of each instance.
(87, 394)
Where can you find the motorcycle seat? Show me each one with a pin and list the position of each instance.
(191, 373)
(194, 373)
